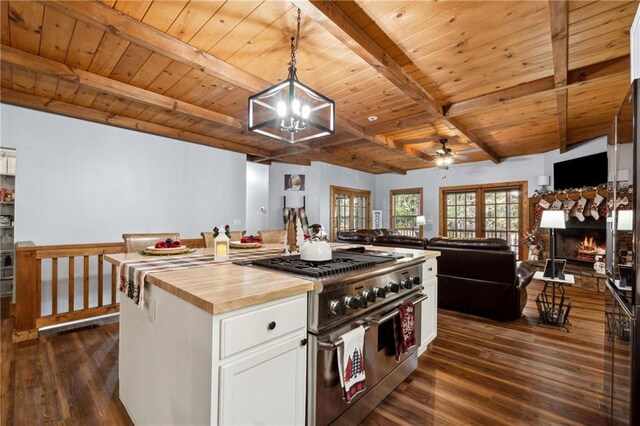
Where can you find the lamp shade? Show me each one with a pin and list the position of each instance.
(544, 180)
(420, 220)
(553, 219)
(625, 220)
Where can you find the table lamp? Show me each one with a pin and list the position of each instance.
(420, 221)
(552, 219)
(543, 183)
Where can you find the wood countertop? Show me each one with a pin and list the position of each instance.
(227, 287)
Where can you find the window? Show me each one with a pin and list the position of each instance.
(461, 215)
(491, 210)
(349, 209)
(406, 206)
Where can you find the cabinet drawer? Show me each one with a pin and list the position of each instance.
(430, 269)
(254, 328)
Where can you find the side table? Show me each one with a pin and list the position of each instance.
(552, 305)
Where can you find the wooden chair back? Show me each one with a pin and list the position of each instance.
(135, 242)
(207, 237)
(272, 236)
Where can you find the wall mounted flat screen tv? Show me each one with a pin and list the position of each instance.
(584, 171)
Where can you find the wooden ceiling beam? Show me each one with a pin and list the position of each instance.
(461, 130)
(580, 76)
(354, 157)
(331, 18)
(40, 65)
(559, 23)
(57, 107)
(306, 146)
(112, 21)
(334, 20)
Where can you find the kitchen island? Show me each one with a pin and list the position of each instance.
(218, 344)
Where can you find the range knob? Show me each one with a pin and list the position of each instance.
(416, 280)
(380, 292)
(336, 307)
(363, 301)
(406, 283)
(352, 302)
(369, 295)
(393, 287)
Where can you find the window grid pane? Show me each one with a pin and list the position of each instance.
(461, 215)
(502, 218)
(405, 207)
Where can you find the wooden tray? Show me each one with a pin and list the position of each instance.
(166, 251)
(239, 245)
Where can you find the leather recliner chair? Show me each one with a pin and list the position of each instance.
(480, 276)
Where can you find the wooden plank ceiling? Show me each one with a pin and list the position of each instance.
(499, 79)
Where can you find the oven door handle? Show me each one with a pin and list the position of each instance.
(395, 312)
(330, 346)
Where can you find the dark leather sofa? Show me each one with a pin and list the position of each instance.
(478, 276)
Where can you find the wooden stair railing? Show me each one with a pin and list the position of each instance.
(29, 315)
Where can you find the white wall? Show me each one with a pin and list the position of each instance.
(319, 177)
(257, 198)
(511, 169)
(80, 182)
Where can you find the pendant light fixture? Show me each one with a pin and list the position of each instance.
(290, 111)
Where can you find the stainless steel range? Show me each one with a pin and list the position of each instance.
(356, 288)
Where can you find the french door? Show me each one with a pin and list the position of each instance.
(350, 210)
(491, 210)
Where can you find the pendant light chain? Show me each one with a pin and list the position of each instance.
(295, 42)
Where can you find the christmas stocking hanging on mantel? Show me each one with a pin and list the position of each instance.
(540, 207)
(556, 205)
(568, 205)
(595, 206)
(582, 202)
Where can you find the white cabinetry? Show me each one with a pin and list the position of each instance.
(264, 379)
(429, 322)
(266, 386)
(185, 366)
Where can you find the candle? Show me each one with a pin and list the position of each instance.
(221, 250)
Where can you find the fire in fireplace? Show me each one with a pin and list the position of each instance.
(580, 246)
(586, 249)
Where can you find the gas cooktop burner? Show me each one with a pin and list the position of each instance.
(340, 263)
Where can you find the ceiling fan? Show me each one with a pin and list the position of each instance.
(445, 156)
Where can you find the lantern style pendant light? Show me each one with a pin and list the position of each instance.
(290, 111)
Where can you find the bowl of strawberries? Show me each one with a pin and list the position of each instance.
(166, 247)
(247, 242)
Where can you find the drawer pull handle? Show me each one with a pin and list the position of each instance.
(430, 268)
(271, 325)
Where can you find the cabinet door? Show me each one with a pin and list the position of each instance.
(267, 386)
(429, 313)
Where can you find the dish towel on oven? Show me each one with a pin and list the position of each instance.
(351, 363)
(404, 331)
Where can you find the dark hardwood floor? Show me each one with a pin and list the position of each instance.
(477, 372)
